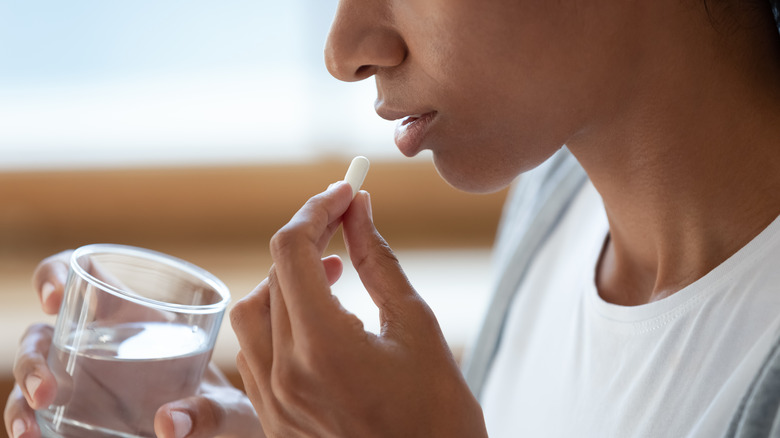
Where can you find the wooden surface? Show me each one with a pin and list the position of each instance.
(49, 210)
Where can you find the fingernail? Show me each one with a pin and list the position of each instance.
(46, 290)
(337, 183)
(182, 423)
(32, 383)
(368, 207)
(19, 427)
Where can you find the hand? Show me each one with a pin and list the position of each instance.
(219, 409)
(308, 365)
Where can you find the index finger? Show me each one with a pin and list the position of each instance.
(49, 280)
(297, 250)
(31, 370)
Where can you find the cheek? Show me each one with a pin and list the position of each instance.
(510, 87)
(496, 122)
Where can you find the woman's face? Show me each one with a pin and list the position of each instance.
(494, 87)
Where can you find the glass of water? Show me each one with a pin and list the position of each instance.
(135, 331)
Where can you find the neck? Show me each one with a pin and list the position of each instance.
(689, 165)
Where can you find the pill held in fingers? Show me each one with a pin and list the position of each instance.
(357, 173)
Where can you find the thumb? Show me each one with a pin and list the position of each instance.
(175, 420)
(206, 416)
(377, 266)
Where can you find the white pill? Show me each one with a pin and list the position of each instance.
(357, 173)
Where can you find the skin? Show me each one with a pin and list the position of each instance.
(309, 367)
(673, 114)
(511, 81)
(671, 111)
(664, 106)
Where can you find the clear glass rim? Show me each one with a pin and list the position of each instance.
(158, 257)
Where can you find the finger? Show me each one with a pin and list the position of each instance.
(297, 249)
(19, 417)
(251, 321)
(321, 239)
(31, 369)
(223, 413)
(333, 226)
(377, 266)
(49, 280)
(281, 333)
(250, 383)
(333, 268)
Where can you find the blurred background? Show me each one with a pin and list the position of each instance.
(197, 128)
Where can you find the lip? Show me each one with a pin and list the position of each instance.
(410, 132)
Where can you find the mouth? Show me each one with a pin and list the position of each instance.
(410, 132)
(411, 119)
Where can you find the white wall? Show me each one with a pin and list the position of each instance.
(158, 82)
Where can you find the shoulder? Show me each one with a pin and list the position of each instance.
(758, 415)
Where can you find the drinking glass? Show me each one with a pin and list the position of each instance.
(135, 331)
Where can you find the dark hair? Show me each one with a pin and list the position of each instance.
(776, 10)
(774, 6)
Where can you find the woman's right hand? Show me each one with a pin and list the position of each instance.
(219, 409)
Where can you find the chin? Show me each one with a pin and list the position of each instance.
(472, 178)
(487, 171)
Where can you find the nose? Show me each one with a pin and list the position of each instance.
(362, 40)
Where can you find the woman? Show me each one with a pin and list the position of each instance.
(639, 301)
